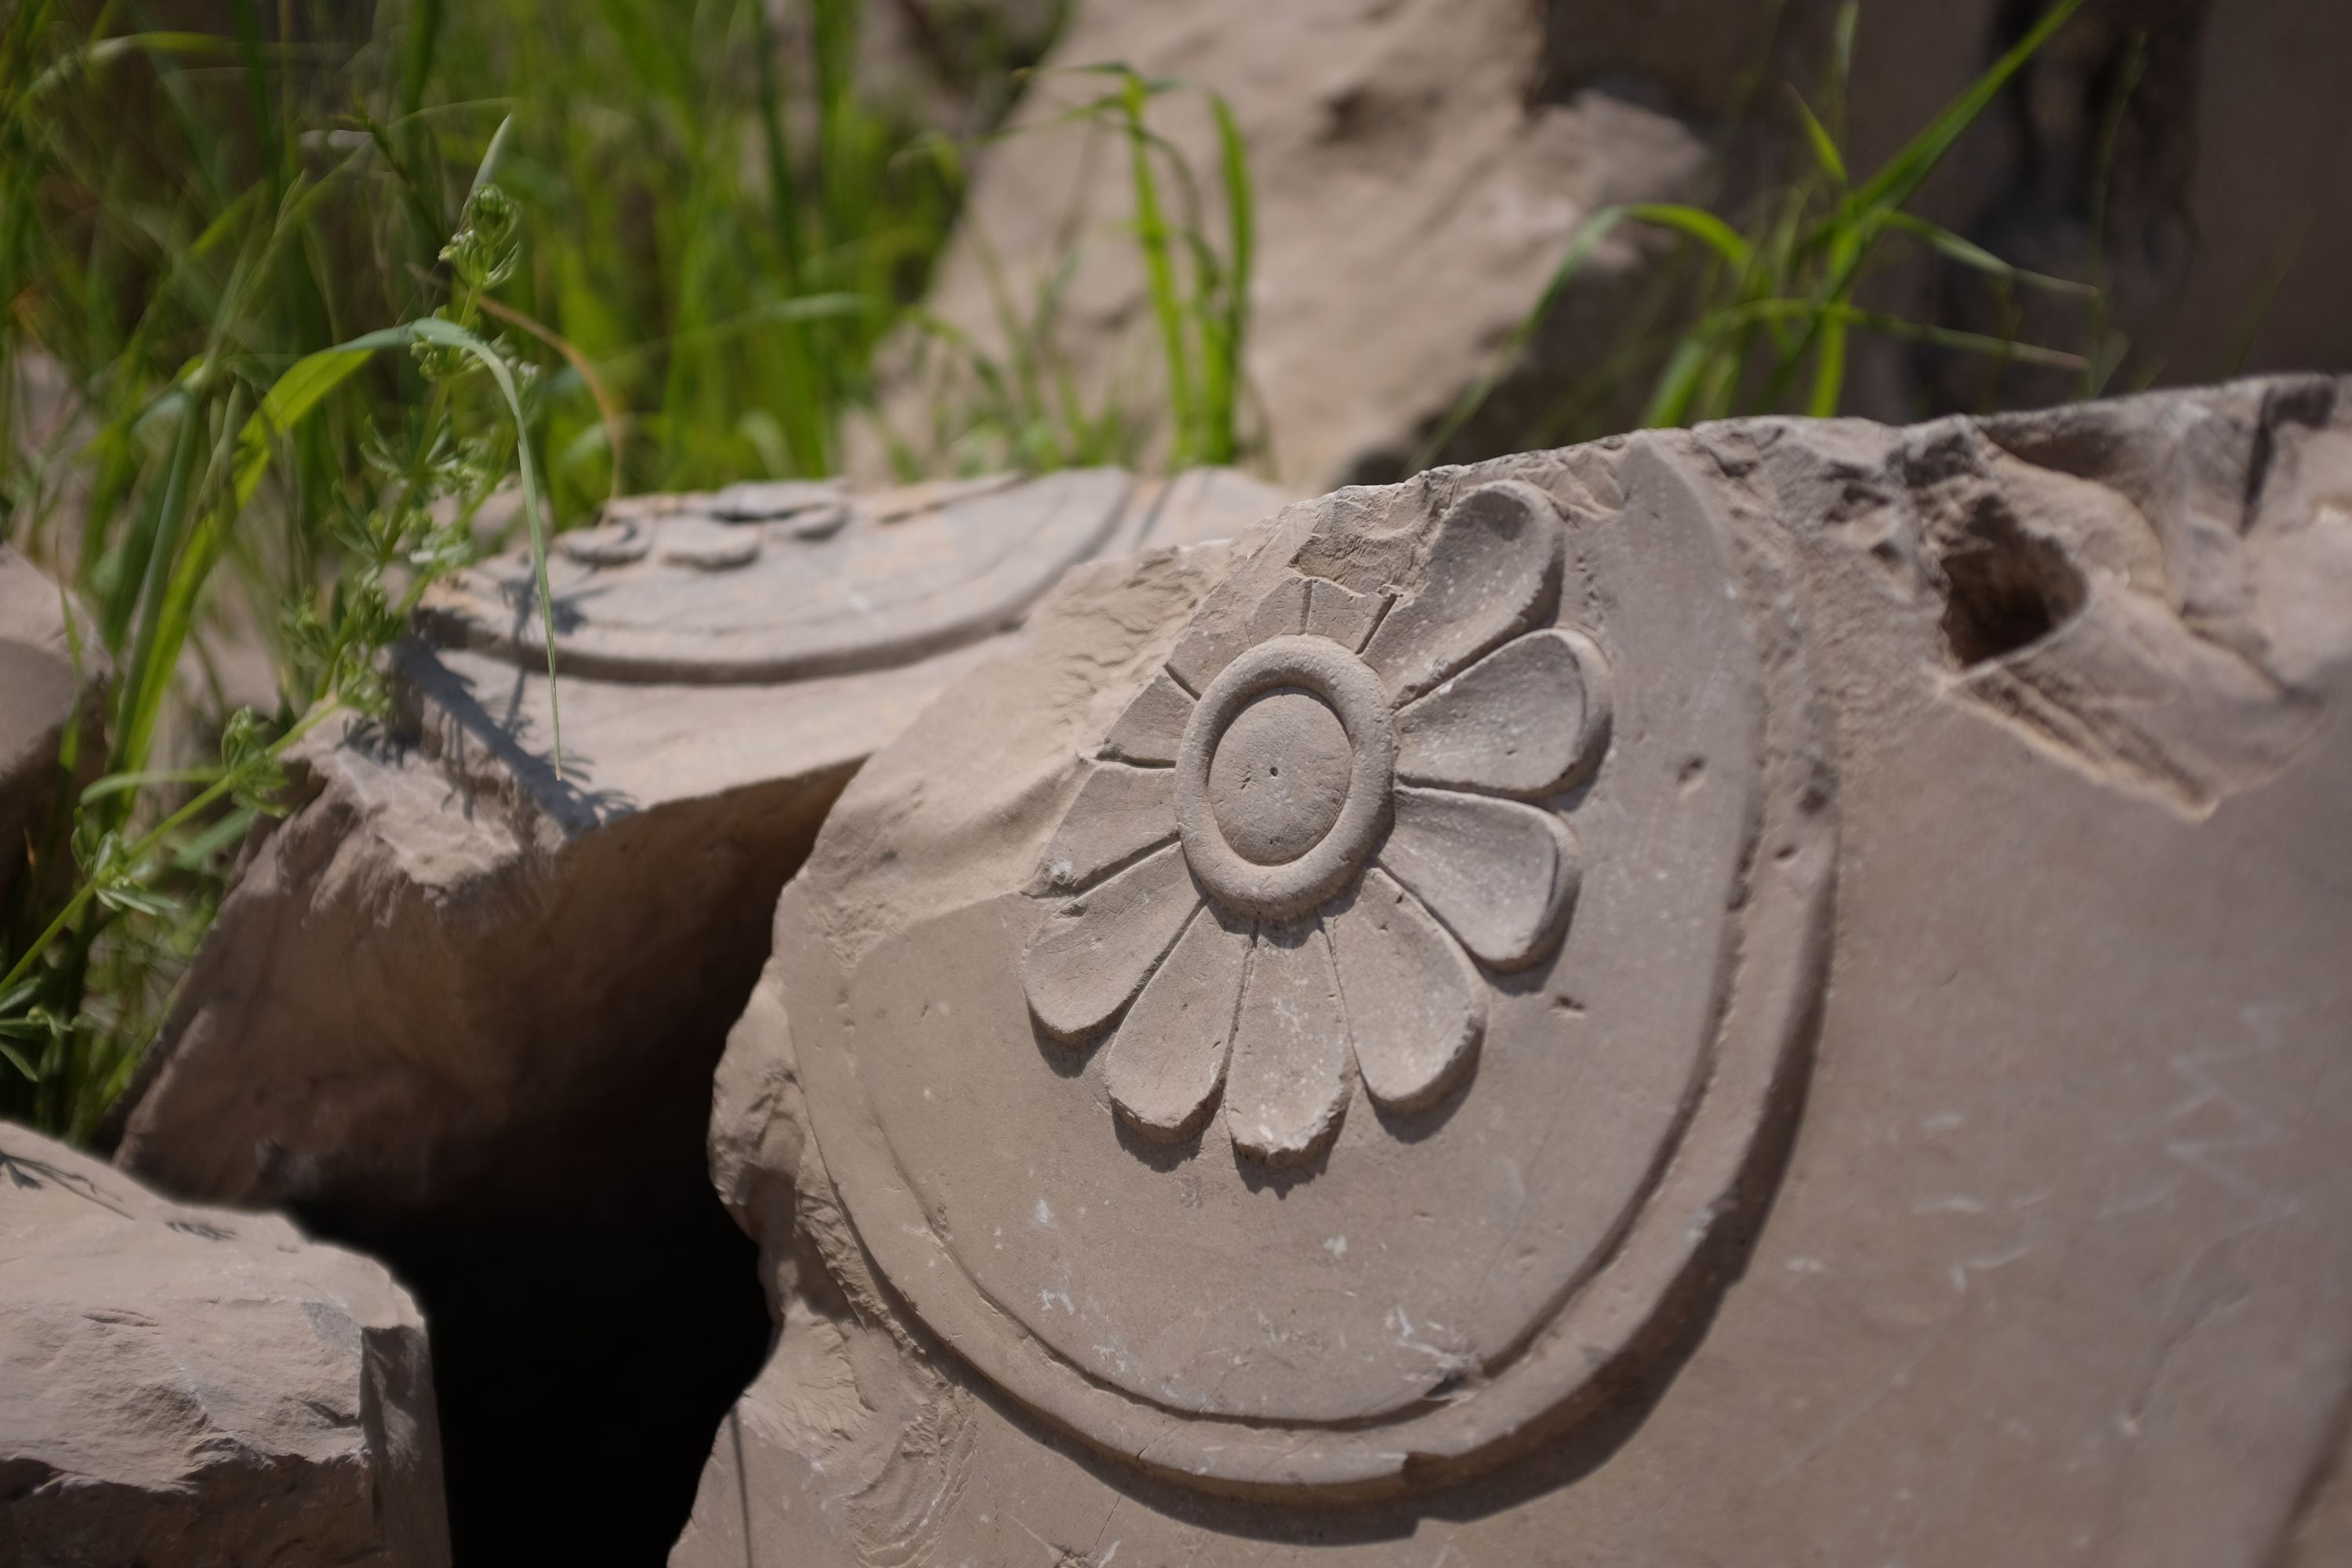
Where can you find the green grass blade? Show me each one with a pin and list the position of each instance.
(1976, 257)
(433, 330)
(1240, 227)
(1893, 185)
(1160, 270)
(293, 395)
(487, 169)
(1700, 225)
(1824, 145)
(1678, 384)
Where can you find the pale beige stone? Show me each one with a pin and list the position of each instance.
(1292, 1068)
(189, 1386)
(1501, 876)
(1524, 720)
(1415, 1003)
(1416, 177)
(1419, 169)
(1166, 1075)
(1151, 730)
(1096, 949)
(462, 1008)
(1128, 810)
(1493, 570)
(1934, 1093)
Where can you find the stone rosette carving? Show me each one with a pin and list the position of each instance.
(1294, 875)
(1316, 1017)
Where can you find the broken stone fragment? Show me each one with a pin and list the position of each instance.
(1418, 175)
(462, 1007)
(190, 1386)
(1837, 1014)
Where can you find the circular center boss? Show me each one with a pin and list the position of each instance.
(1282, 778)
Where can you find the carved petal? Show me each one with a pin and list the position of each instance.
(1493, 570)
(1289, 1079)
(1119, 812)
(1415, 1006)
(1165, 1064)
(1095, 951)
(1500, 875)
(1344, 616)
(1524, 720)
(1152, 728)
(1215, 641)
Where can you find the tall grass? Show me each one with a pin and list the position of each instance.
(314, 295)
(1020, 403)
(1768, 323)
(321, 297)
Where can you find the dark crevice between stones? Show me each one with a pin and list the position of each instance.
(592, 1309)
(2004, 592)
(583, 1363)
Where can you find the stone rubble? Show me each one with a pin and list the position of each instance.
(188, 1387)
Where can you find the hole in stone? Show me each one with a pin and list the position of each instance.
(2005, 590)
(591, 1352)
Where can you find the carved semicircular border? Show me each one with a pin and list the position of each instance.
(1706, 1180)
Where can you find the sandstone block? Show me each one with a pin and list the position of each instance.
(1419, 169)
(1761, 994)
(195, 1388)
(462, 1009)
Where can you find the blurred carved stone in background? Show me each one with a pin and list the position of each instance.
(463, 1010)
(191, 1386)
(1419, 169)
(1836, 1014)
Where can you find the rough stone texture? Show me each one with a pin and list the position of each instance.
(1420, 166)
(1934, 1090)
(39, 689)
(463, 1011)
(1412, 199)
(194, 1388)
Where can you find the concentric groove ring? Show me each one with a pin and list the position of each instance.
(1322, 667)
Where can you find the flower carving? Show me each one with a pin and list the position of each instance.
(1305, 842)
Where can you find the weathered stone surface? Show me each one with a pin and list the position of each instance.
(1412, 192)
(463, 1010)
(1418, 168)
(39, 686)
(1739, 1221)
(193, 1388)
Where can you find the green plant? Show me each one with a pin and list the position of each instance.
(82, 979)
(212, 241)
(1020, 403)
(1766, 327)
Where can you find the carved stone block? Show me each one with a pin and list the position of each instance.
(183, 1387)
(1766, 992)
(462, 1008)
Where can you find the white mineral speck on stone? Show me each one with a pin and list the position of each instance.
(1042, 1215)
(1336, 1247)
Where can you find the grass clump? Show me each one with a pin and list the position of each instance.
(335, 298)
(1766, 324)
(310, 298)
